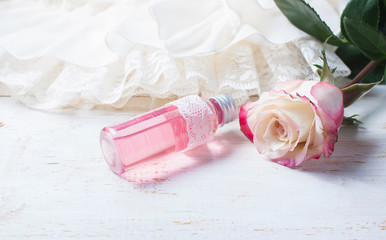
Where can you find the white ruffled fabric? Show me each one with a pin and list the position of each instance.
(141, 54)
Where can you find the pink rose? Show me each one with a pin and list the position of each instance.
(294, 122)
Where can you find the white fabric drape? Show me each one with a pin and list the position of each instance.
(119, 54)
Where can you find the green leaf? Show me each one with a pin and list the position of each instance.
(362, 11)
(369, 40)
(377, 73)
(382, 16)
(356, 91)
(351, 120)
(356, 61)
(353, 58)
(304, 17)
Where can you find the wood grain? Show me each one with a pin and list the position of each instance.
(54, 184)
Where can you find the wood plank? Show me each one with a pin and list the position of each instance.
(54, 184)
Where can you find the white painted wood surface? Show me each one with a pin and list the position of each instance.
(54, 184)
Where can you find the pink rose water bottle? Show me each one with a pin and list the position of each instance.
(180, 125)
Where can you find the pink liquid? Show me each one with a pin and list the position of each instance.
(155, 135)
(143, 138)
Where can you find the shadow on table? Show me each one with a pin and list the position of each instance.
(353, 156)
(162, 169)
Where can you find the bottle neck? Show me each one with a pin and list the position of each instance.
(225, 107)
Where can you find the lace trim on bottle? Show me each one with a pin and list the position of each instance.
(201, 121)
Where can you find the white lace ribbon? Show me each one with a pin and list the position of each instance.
(201, 121)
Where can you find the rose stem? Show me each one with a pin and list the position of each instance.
(363, 73)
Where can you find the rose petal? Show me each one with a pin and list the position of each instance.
(329, 101)
(271, 136)
(243, 120)
(296, 121)
(305, 149)
(262, 145)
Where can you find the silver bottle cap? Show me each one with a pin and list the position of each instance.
(228, 106)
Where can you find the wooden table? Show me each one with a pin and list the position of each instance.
(54, 184)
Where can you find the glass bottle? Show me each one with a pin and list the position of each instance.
(178, 126)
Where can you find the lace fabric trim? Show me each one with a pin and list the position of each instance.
(201, 121)
(149, 77)
(122, 54)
